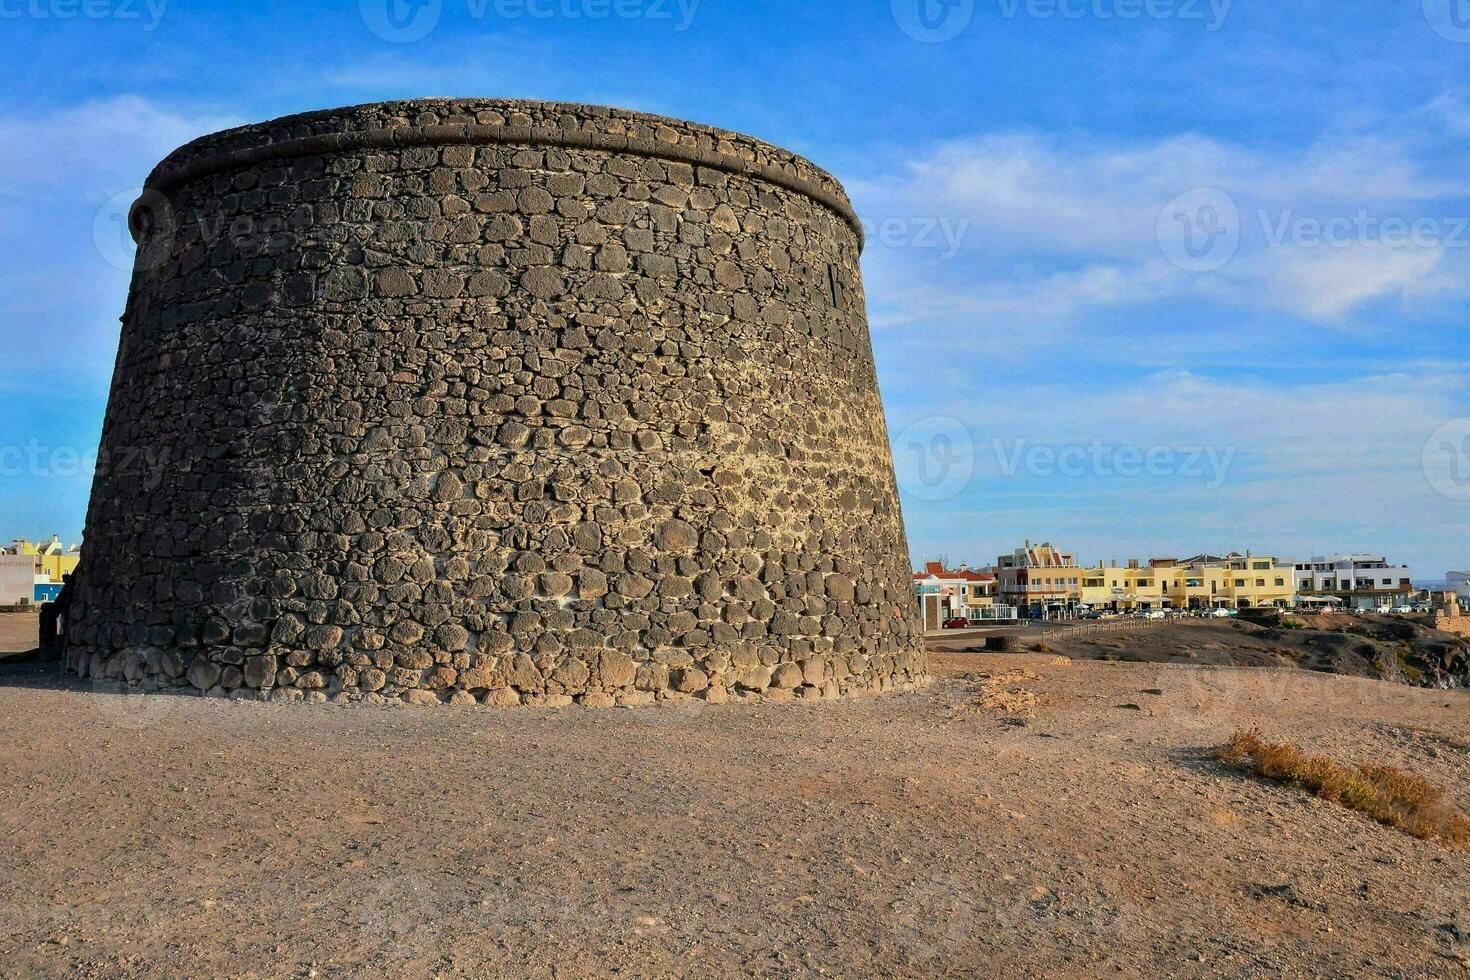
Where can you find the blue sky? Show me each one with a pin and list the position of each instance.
(1145, 277)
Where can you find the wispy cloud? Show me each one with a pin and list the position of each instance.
(1059, 225)
(98, 143)
(67, 176)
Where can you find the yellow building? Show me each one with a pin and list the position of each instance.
(1233, 581)
(53, 559)
(1040, 580)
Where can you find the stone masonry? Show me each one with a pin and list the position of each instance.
(477, 401)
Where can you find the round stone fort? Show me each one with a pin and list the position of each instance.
(496, 402)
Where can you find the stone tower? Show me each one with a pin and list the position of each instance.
(507, 402)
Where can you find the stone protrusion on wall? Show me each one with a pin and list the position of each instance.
(495, 402)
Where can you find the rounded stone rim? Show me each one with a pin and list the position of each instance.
(258, 143)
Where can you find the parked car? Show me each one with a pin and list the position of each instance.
(1402, 609)
(1089, 614)
(1221, 613)
(957, 623)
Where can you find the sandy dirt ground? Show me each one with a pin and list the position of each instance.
(1024, 816)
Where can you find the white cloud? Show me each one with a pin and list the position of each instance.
(95, 146)
(63, 171)
(1451, 110)
(1056, 226)
(1022, 294)
(1327, 283)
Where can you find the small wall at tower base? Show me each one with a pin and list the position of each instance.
(1448, 618)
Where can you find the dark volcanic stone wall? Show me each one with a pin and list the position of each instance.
(495, 401)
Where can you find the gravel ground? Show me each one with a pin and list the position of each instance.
(1042, 817)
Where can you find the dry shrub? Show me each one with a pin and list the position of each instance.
(1386, 793)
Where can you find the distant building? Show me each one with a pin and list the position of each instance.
(1357, 581)
(1232, 581)
(17, 579)
(32, 572)
(1459, 584)
(945, 594)
(1039, 580)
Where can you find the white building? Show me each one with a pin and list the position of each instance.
(17, 579)
(1360, 581)
(1458, 583)
(959, 594)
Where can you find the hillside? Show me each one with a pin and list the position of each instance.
(1394, 648)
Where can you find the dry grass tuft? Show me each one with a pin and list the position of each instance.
(1388, 794)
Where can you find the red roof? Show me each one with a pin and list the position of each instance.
(935, 569)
